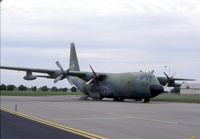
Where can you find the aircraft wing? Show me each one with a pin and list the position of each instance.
(182, 79)
(48, 71)
(171, 81)
(53, 74)
(86, 76)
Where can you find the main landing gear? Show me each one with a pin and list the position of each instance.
(118, 99)
(145, 100)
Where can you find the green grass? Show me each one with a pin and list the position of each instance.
(37, 93)
(177, 98)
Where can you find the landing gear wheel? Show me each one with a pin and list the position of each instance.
(101, 97)
(116, 98)
(138, 99)
(121, 99)
(145, 100)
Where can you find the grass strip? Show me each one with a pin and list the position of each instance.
(37, 93)
(177, 98)
(161, 98)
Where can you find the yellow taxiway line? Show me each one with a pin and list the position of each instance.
(52, 124)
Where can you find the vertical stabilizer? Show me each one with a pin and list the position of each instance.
(73, 62)
(74, 66)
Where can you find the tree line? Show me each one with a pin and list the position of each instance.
(4, 87)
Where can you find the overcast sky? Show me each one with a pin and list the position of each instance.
(111, 35)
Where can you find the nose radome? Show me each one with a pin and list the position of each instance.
(156, 89)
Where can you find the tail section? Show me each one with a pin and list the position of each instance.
(73, 62)
(74, 66)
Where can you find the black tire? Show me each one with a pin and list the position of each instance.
(116, 98)
(121, 99)
(145, 100)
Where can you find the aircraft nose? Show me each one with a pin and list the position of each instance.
(156, 89)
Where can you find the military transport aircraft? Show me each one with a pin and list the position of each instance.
(95, 85)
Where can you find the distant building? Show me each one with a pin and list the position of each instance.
(190, 88)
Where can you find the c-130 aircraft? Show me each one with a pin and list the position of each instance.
(96, 85)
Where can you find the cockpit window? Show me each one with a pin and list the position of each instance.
(145, 78)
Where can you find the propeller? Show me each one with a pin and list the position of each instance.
(96, 78)
(94, 73)
(171, 79)
(63, 73)
(59, 66)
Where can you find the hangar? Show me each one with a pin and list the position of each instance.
(190, 88)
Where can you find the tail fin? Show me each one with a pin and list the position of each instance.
(73, 62)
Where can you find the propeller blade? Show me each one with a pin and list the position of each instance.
(173, 75)
(69, 80)
(96, 78)
(63, 73)
(90, 81)
(58, 78)
(166, 75)
(94, 73)
(60, 67)
(170, 79)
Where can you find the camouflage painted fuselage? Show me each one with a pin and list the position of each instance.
(124, 85)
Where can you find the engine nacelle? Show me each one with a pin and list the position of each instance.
(175, 85)
(30, 77)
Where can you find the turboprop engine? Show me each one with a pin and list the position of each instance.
(96, 89)
(29, 76)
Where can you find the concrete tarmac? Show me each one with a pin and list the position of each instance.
(115, 120)
(17, 127)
